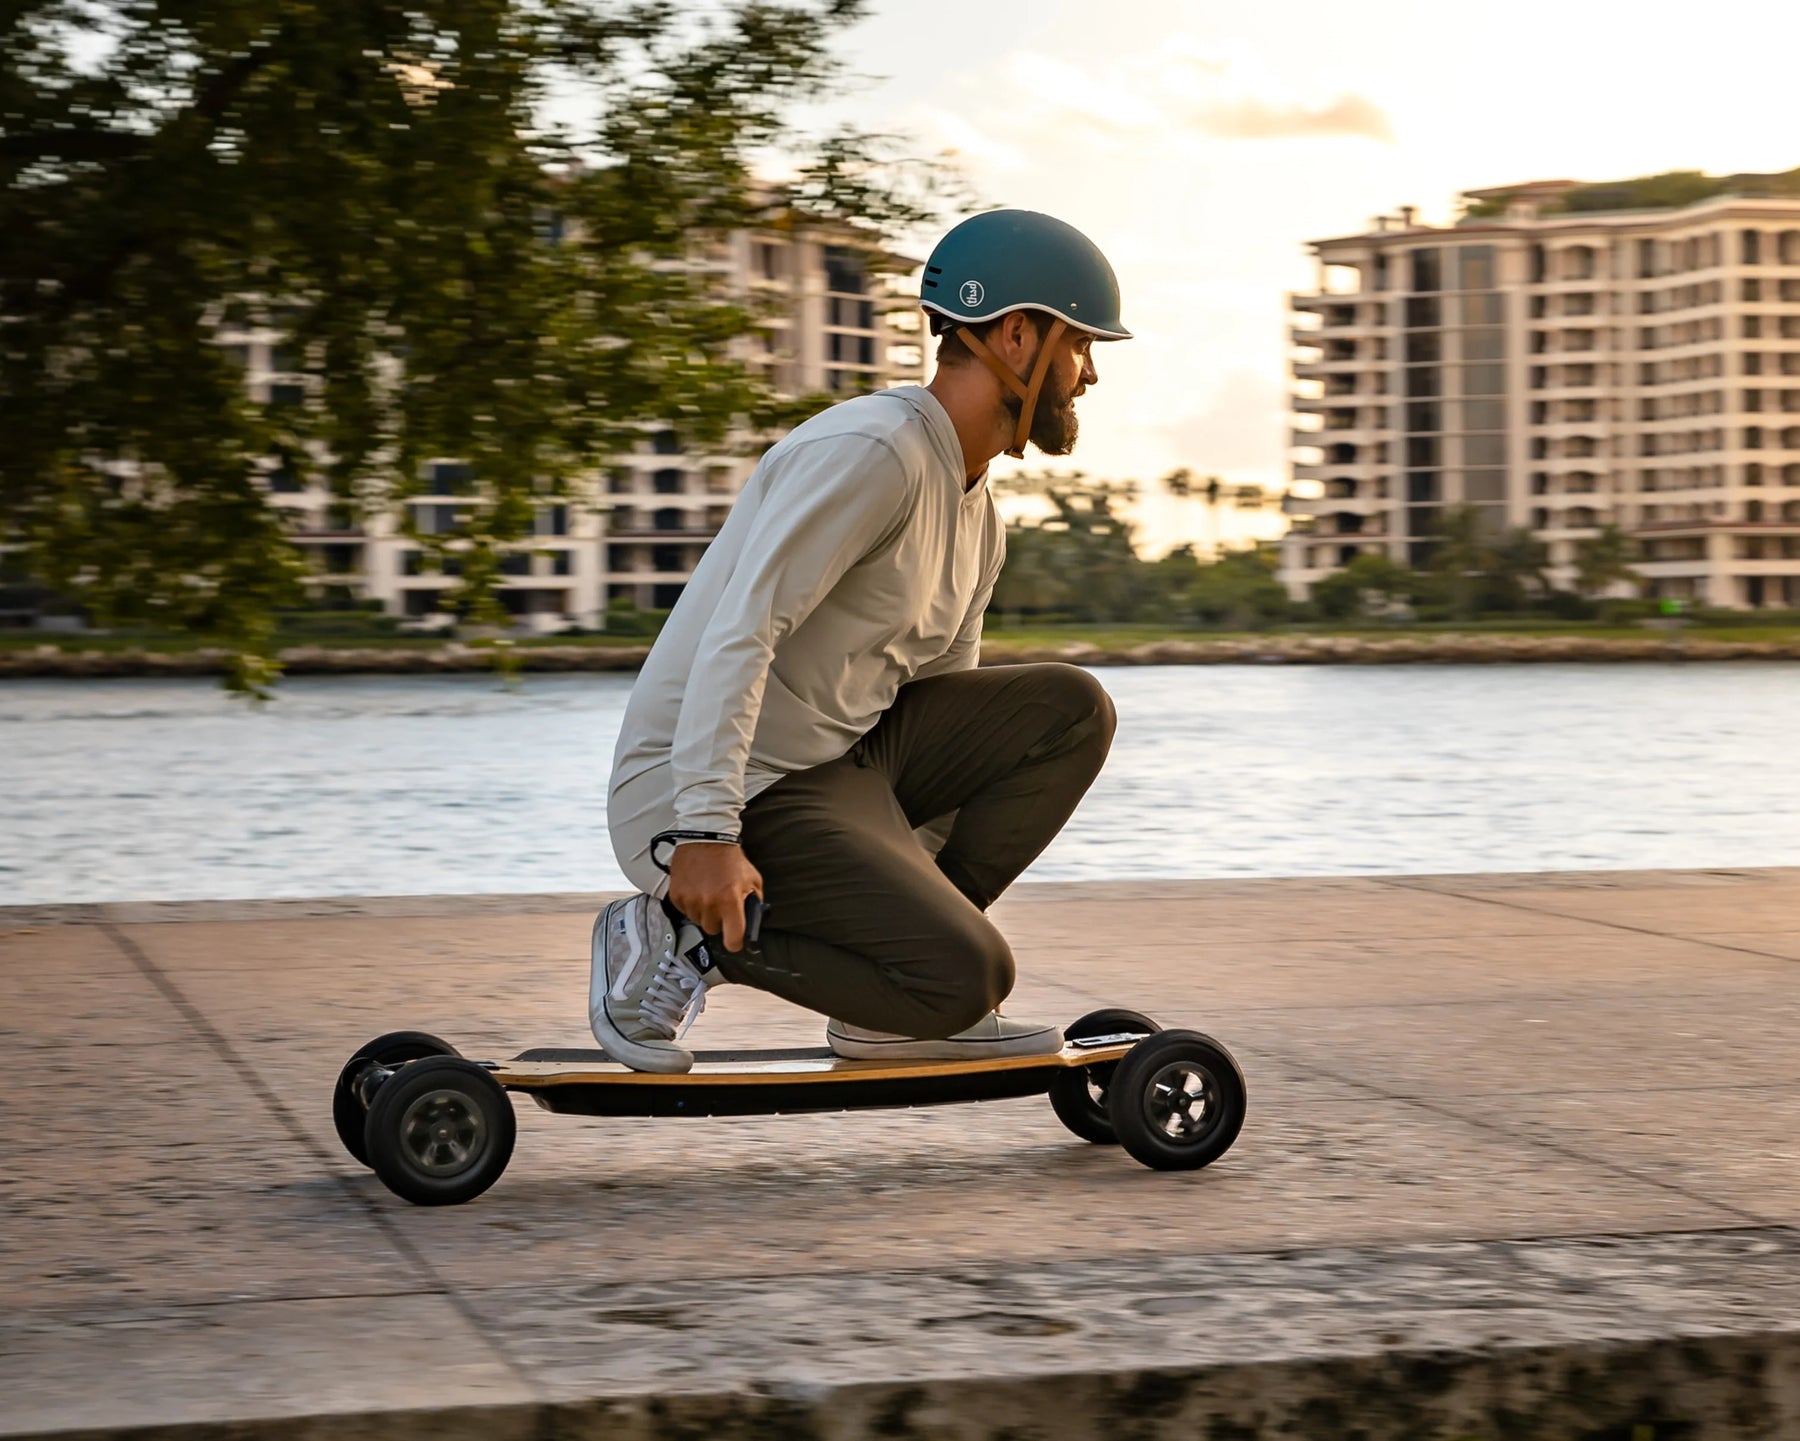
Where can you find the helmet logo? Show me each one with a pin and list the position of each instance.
(971, 293)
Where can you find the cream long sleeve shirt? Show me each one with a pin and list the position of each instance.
(853, 561)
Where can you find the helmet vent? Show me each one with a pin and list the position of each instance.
(934, 270)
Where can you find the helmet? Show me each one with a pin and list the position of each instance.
(1009, 260)
(1021, 260)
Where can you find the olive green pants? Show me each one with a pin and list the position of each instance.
(865, 923)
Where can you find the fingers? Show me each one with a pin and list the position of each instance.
(733, 929)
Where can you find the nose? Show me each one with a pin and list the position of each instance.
(1089, 376)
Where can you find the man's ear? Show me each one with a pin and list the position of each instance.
(1021, 333)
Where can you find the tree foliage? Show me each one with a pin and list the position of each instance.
(1080, 563)
(456, 276)
(1604, 560)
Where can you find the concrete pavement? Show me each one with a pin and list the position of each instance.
(1521, 1161)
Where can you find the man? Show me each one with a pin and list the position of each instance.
(813, 700)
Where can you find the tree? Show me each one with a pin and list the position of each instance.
(1345, 593)
(1239, 589)
(1516, 562)
(1460, 556)
(1603, 560)
(1083, 542)
(376, 183)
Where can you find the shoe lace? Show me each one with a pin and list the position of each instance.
(675, 996)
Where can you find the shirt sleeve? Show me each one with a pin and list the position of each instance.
(824, 507)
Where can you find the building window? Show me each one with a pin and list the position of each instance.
(1753, 437)
(562, 562)
(1423, 380)
(667, 482)
(1422, 311)
(451, 478)
(665, 442)
(1484, 415)
(1484, 450)
(1476, 267)
(1487, 309)
(1426, 346)
(287, 393)
(844, 271)
(1751, 288)
(1484, 485)
(1484, 345)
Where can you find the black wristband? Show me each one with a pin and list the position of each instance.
(718, 837)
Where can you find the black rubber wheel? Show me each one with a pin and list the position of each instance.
(440, 1131)
(1079, 1097)
(347, 1110)
(1177, 1101)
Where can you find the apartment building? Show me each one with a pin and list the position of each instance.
(1565, 357)
(638, 527)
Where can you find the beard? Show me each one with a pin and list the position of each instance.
(1054, 426)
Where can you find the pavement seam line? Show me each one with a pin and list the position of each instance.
(1403, 884)
(1557, 1148)
(221, 1047)
(1318, 1072)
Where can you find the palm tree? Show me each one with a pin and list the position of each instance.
(1516, 563)
(1603, 560)
(1462, 555)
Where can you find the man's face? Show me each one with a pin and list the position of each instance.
(1054, 425)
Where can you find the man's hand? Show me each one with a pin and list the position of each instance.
(708, 881)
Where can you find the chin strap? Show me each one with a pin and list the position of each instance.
(1027, 393)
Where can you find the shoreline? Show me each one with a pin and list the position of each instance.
(48, 662)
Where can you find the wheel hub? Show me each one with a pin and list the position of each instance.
(442, 1133)
(1183, 1101)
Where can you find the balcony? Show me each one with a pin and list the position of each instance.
(645, 532)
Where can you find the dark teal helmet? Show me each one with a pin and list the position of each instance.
(1021, 260)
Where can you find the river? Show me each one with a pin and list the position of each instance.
(170, 790)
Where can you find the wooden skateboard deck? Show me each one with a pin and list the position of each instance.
(724, 1083)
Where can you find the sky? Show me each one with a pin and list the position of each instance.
(1203, 145)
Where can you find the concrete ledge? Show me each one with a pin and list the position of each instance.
(1673, 1336)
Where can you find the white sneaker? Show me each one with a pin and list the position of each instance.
(647, 984)
(993, 1035)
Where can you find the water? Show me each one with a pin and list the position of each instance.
(127, 790)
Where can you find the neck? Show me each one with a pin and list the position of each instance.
(971, 398)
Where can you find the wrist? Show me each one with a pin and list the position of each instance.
(678, 838)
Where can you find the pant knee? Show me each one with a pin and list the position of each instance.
(980, 977)
(1079, 693)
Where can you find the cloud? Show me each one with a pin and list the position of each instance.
(1258, 120)
(1241, 431)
